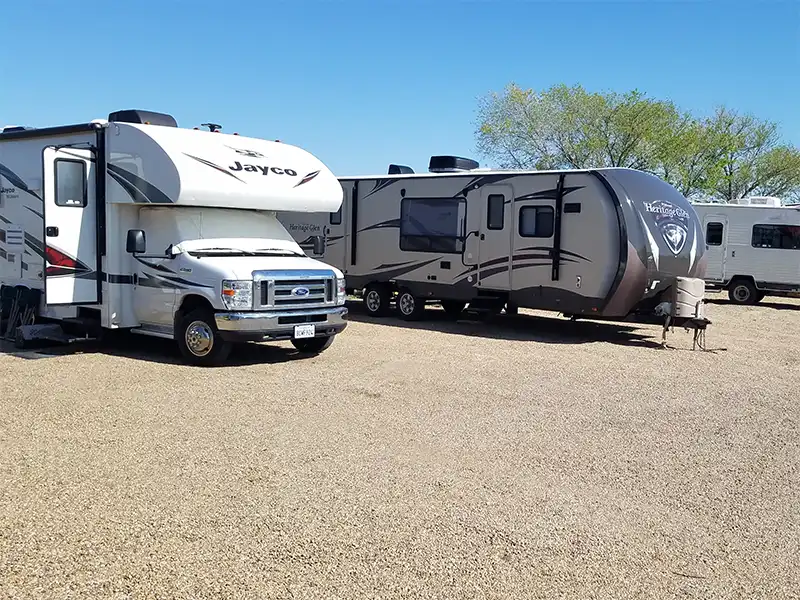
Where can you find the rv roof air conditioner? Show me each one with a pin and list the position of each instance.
(451, 164)
(400, 170)
(144, 117)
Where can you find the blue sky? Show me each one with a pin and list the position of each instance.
(362, 84)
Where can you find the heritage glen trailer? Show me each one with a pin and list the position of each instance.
(604, 243)
(752, 248)
(134, 223)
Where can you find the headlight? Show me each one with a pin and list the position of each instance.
(341, 292)
(237, 294)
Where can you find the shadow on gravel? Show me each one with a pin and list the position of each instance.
(549, 330)
(777, 305)
(150, 349)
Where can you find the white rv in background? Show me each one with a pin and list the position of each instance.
(752, 248)
(602, 243)
(134, 223)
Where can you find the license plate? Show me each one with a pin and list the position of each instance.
(304, 331)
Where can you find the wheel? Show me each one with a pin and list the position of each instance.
(313, 345)
(199, 340)
(743, 291)
(453, 307)
(511, 308)
(376, 299)
(409, 307)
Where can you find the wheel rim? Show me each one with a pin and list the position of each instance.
(407, 304)
(199, 338)
(741, 293)
(373, 301)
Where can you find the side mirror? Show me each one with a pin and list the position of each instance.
(135, 244)
(319, 244)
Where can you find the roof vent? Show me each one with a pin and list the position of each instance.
(451, 164)
(759, 201)
(10, 128)
(400, 170)
(144, 117)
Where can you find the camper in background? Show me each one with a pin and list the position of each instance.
(752, 248)
(133, 223)
(604, 243)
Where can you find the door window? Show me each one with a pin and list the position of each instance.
(495, 212)
(714, 234)
(70, 183)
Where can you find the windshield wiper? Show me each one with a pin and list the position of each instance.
(222, 251)
(279, 252)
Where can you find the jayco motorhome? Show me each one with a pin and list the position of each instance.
(602, 243)
(134, 223)
(752, 248)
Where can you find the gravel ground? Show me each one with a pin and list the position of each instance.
(534, 459)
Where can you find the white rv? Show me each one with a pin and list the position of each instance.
(752, 248)
(604, 243)
(134, 223)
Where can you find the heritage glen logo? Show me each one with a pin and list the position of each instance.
(264, 170)
(666, 209)
(672, 222)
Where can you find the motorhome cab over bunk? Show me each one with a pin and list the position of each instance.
(752, 248)
(134, 223)
(603, 243)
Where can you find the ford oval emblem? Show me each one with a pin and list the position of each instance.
(300, 291)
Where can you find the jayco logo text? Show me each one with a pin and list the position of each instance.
(264, 170)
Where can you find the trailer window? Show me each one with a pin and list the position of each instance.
(70, 183)
(432, 225)
(336, 217)
(536, 221)
(496, 211)
(786, 237)
(714, 234)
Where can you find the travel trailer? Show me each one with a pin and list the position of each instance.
(752, 249)
(134, 223)
(602, 243)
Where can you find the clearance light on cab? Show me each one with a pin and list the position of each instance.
(237, 294)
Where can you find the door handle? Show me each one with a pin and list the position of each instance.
(51, 231)
(483, 237)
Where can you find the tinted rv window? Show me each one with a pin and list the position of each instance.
(432, 225)
(336, 218)
(70, 183)
(536, 221)
(495, 213)
(786, 237)
(714, 234)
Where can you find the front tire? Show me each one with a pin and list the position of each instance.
(313, 345)
(376, 299)
(409, 306)
(743, 291)
(199, 340)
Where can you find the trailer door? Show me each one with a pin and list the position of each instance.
(70, 234)
(494, 249)
(715, 228)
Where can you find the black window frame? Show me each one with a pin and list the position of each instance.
(774, 226)
(489, 225)
(721, 233)
(85, 196)
(537, 208)
(459, 241)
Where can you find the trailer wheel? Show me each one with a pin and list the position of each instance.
(199, 340)
(453, 307)
(376, 299)
(743, 291)
(313, 345)
(409, 306)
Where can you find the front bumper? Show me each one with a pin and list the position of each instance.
(279, 325)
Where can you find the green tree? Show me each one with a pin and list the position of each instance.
(727, 155)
